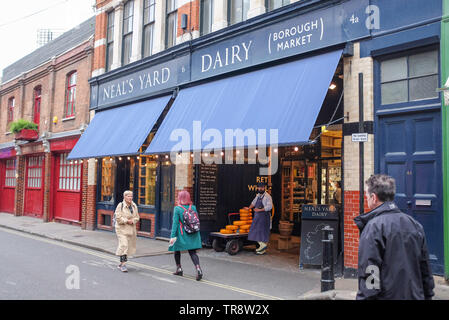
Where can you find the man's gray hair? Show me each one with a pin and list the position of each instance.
(127, 192)
(383, 186)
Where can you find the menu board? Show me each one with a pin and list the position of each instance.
(207, 191)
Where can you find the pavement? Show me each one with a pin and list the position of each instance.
(282, 260)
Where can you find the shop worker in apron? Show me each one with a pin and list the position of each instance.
(260, 228)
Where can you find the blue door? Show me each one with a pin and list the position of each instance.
(409, 149)
(167, 199)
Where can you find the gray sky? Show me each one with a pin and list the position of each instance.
(20, 20)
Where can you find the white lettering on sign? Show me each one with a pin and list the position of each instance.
(127, 86)
(228, 56)
(295, 36)
(359, 137)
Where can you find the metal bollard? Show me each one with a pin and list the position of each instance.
(327, 266)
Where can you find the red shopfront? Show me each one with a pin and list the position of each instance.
(34, 186)
(66, 186)
(7, 180)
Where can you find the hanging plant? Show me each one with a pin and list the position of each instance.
(19, 125)
(24, 130)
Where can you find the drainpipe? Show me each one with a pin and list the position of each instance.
(444, 52)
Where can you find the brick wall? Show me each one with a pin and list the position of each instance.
(47, 186)
(351, 239)
(20, 186)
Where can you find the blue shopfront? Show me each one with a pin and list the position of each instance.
(407, 112)
(278, 64)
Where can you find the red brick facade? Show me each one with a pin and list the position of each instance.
(351, 232)
(51, 77)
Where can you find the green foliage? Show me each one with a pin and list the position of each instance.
(19, 125)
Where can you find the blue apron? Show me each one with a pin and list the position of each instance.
(260, 228)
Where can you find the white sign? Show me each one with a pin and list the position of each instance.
(359, 137)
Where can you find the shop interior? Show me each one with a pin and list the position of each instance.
(307, 174)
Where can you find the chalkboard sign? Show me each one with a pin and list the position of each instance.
(314, 219)
(207, 191)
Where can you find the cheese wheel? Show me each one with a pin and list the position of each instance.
(225, 231)
(239, 223)
(231, 227)
(244, 211)
(245, 214)
(246, 218)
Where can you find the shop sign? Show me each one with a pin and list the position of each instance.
(310, 31)
(360, 137)
(319, 212)
(7, 153)
(142, 83)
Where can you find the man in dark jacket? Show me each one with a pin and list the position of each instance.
(393, 257)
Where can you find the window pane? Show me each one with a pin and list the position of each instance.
(236, 11)
(394, 69)
(110, 57)
(127, 46)
(274, 4)
(246, 4)
(148, 40)
(171, 29)
(206, 16)
(423, 88)
(394, 92)
(423, 64)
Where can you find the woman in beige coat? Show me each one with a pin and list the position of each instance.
(126, 218)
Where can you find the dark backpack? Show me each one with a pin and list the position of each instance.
(191, 222)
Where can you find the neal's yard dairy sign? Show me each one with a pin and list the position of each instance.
(318, 29)
(310, 31)
(142, 83)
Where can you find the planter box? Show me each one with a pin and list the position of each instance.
(27, 134)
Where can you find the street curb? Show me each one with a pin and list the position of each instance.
(77, 243)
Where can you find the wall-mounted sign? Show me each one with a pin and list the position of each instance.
(142, 83)
(360, 137)
(306, 32)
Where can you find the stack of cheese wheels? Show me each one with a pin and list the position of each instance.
(245, 220)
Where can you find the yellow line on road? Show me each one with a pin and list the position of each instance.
(138, 265)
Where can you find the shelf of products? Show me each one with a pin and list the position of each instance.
(299, 186)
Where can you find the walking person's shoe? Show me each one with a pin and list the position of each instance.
(123, 268)
(199, 274)
(178, 271)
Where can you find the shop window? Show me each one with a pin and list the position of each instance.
(409, 78)
(69, 110)
(148, 27)
(127, 32)
(274, 4)
(34, 172)
(108, 169)
(110, 41)
(37, 105)
(206, 16)
(172, 23)
(145, 225)
(10, 174)
(69, 174)
(11, 103)
(238, 10)
(147, 181)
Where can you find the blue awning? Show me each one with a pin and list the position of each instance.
(119, 131)
(286, 98)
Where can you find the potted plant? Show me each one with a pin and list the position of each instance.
(24, 130)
